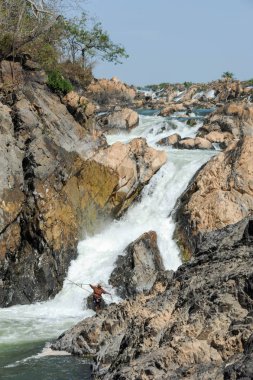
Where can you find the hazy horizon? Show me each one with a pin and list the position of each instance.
(177, 41)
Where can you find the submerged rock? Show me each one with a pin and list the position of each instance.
(136, 271)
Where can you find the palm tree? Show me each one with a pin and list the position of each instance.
(228, 75)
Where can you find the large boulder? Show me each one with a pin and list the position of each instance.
(110, 92)
(221, 194)
(136, 270)
(226, 121)
(172, 108)
(194, 143)
(171, 140)
(124, 119)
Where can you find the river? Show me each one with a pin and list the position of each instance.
(26, 329)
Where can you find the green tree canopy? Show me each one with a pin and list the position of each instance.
(228, 75)
(37, 27)
(82, 41)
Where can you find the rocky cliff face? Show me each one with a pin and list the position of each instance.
(192, 324)
(195, 323)
(58, 179)
(221, 193)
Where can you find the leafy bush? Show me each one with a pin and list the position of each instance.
(79, 76)
(249, 82)
(58, 83)
(187, 84)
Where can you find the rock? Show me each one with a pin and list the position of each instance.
(227, 120)
(124, 119)
(55, 184)
(82, 109)
(133, 164)
(221, 194)
(192, 324)
(11, 74)
(201, 143)
(170, 140)
(170, 109)
(194, 143)
(231, 90)
(242, 366)
(106, 92)
(191, 122)
(11, 185)
(90, 303)
(186, 143)
(136, 271)
(31, 65)
(223, 139)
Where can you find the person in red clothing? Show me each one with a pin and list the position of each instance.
(97, 295)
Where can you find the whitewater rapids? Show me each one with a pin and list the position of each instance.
(97, 254)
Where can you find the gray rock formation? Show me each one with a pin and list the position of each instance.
(195, 324)
(136, 271)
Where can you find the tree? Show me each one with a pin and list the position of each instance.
(82, 41)
(56, 42)
(38, 22)
(23, 21)
(228, 75)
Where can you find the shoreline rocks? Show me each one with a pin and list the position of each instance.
(192, 323)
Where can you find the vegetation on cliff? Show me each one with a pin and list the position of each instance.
(59, 44)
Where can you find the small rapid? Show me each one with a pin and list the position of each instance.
(96, 254)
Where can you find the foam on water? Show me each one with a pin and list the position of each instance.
(97, 254)
(154, 128)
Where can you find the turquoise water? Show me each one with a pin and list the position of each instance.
(21, 362)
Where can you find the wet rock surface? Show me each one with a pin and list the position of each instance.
(195, 323)
(136, 271)
(58, 180)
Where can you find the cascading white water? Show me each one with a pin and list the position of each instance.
(98, 253)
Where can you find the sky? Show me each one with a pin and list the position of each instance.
(177, 40)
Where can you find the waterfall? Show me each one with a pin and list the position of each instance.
(97, 254)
